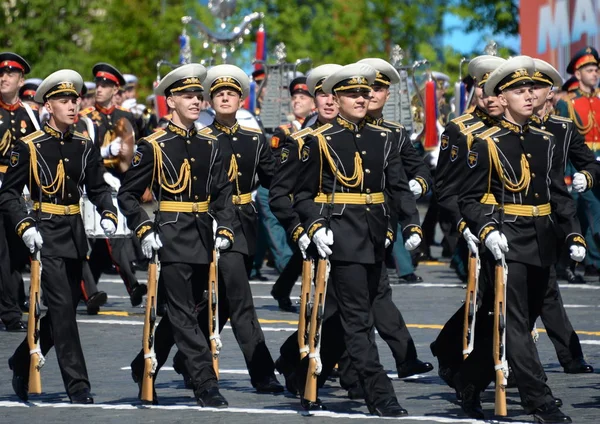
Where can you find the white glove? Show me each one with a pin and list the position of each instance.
(416, 188)
(303, 243)
(471, 240)
(150, 243)
(32, 239)
(577, 253)
(112, 149)
(112, 181)
(579, 182)
(222, 243)
(323, 238)
(108, 226)
(388, 242)
(412, 242)
(497, 244)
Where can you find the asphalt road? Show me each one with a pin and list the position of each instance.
(110, 341)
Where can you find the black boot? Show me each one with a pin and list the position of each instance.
(388, 408)
(578, 366)
(82, 398)
(412, 367)
(288, 375)
(550, 414)
(20, 382)
(471, 402)
(137, 294)
(211, 398)
(307, 405)
(269, 385)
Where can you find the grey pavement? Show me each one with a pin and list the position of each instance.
(110, 341)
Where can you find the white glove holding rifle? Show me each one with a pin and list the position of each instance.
(32, 239)
(497, 244)
(323, 238)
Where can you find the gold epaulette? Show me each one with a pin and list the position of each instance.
(87, 110)
(487, 134)
(468, 132)
(29, 138)
(250, 129)
(207, 132)
(82, 135)
(561, 118)
(286, 129)
(301, 133)
(535, 129)
(393, 124)
(155, 135)
(380, 128)
(462, 118)
(321, 129)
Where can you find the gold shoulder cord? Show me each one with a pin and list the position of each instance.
(583, 129)
(524, 181)
(232, 173)
(357, 177)
(183, 180)
(54, 186)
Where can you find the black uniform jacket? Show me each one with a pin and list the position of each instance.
(105, 120)
(286, 177)
(452, 162)
(245, 154)
(74, 154)
(522, 152)
(359, 150)
(570, 146)
(192, 166)
(15, 124)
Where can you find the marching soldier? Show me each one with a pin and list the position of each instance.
(364, 160)
(56, 164)
(512, 187)
(248, 155)
(583, 107)
(105, 115)
(570, 147)
(185, 170)
(387, 318)
(27, 93)
(452, 168)
(17, 120)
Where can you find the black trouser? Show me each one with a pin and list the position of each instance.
(61, 285)
(235, 303)
(13, 256)
(391, 327)
(557, 324)
(88, 283)
(353, 288)
(523, 304)
(285, 283)
(117, 251)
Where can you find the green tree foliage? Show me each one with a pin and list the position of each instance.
(496, 16)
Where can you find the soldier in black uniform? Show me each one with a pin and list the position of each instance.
(570, 147)
(364, 160)
(105, 115)
(388, 319)
(248, 155)
(185, 171)
(452, 167)
(17, 120)
(56, 164)
(512, 168)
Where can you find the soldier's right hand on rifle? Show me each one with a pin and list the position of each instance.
(471, 240)
(150, 243)
(497, 244)
(32, 239)
(323, 238)
(303, 243)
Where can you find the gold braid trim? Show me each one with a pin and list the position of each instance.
(351, 182)
(524, 181)
(54, 186)
(232, 173)
(184, 177)
(583, 129)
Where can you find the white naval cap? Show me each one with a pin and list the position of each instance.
(316, 76)
(546, 74)
(184, 78)
(481, 67)
(229, 76)
(513, 73)
(65, 82)
(353, 77)
(386, 73)
(130, 80)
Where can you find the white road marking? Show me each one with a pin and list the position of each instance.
(140, 323)
(327, 414)
(590, 342)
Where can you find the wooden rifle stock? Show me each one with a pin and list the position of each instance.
(213, 311)
(470, 306)
(499, 339)
(33, 327)
(305, 310)
(149, 326)
(316, 322)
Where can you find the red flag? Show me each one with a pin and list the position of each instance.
(431, 132)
